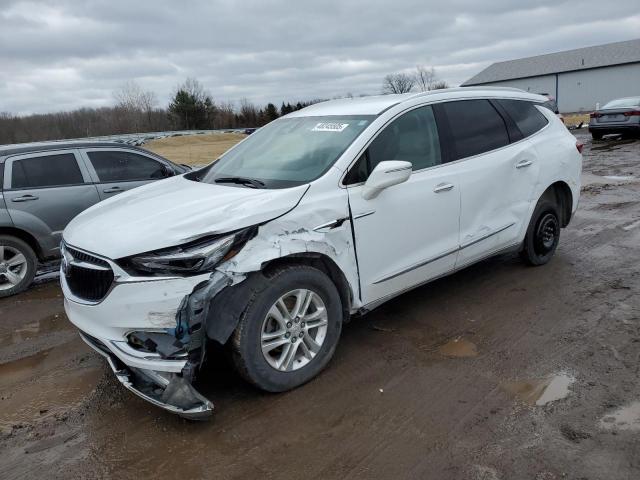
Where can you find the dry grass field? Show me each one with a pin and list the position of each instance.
(571, 119)
(194, 149)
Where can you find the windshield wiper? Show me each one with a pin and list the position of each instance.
(249, 182)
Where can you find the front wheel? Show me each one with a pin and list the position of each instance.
(596, 136)
(543, 234)
(18, 264)
(289, 330)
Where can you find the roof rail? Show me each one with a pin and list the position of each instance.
(466, 89)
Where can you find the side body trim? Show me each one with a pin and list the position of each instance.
(442, 255)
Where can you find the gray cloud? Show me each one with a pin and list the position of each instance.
(65, 54)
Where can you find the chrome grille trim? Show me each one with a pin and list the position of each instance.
(88, 278)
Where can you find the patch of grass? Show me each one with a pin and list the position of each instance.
(197, 150)
(576, 118)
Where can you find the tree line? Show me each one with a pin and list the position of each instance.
(136, 111)
(423, 79)
(191, 108)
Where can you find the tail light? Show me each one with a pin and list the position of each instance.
(633, 113)
(579, 146)
(595, 115)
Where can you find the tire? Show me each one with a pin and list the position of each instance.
(596, 136)
(260, 322)
(13, 249)
(543, 234)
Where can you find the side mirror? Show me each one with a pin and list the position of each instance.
(386, 174)
(167, 171)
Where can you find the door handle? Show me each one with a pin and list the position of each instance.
(443, 187)
(25, 198)
(523, 163)
(113, 190)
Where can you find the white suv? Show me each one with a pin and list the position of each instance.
(324, 213)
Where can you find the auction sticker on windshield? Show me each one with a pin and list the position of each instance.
(329, 127)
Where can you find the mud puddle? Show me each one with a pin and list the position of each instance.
(624, 418)
(50, 324)
(46, 383)
(458, 347)
(541, 391)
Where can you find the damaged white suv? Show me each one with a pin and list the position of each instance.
(327, 212)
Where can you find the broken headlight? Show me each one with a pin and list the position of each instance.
(196, 257)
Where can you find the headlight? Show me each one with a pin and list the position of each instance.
(195, 257)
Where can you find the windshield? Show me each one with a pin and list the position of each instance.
(287, 152)
(623, 103)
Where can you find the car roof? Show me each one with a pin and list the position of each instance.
(635, 99)
(19, 148)
(375, 105)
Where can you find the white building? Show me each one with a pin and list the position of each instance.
(578, 79)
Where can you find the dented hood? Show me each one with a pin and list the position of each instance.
(171, 212)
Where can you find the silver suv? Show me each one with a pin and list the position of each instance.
(44, 185)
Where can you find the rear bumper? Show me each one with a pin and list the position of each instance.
(614, 128)
(167, 391)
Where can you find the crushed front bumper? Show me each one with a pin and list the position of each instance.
(169, 391)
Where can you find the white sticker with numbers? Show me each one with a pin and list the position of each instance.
(330, 127)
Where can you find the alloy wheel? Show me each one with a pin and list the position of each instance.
(294, 330)
(13, 267)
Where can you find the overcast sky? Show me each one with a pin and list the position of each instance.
(64, 54)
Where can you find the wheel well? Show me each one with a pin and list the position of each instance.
(560, 194)
(323, 263)
(25, 236)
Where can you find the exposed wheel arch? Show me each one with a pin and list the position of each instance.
(324, 264)
(227, 306)
(560, 194)
(24, 236)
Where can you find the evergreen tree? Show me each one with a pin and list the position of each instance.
(270, 112)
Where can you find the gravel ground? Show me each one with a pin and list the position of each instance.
(500, 371)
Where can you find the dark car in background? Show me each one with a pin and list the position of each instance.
(620, 116)
(44, 185)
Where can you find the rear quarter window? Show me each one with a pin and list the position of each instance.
(526, 116)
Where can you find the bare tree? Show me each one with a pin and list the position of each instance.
(425, 78)
(194, 88)
(249, 113)
(136, 105)
(440, 84)
(398, 83)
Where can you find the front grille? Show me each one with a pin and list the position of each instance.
(89, 278)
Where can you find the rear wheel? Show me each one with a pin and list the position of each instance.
(596, 135)
(289, 331)
(543, 234)
(17, 265)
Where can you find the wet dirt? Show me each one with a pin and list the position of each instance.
(458, 347)
(543, 391)
(624, 418)
(401, 398)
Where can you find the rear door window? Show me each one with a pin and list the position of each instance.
(526, 116)
(46, 171)
(121, 166)
(412, 137)
(475, 127)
